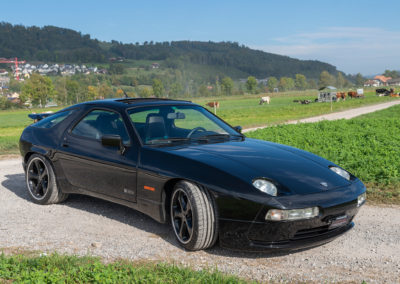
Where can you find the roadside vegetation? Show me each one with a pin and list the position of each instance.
(72, 269)
(368, 146)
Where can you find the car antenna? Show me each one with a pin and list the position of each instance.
(125, 94)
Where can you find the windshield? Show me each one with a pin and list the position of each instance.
(165, 125)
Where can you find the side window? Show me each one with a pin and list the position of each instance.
(52, 120)
(101, 122)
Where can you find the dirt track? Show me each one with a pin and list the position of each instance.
(346, 114)
(84, 225)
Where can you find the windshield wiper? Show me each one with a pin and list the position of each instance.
(217, 135)
(167, 140)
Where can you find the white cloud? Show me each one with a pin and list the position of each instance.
(351, 49)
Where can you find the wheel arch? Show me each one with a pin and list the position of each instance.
(167, 194)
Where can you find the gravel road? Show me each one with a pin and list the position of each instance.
(84, 225)
(346, 114)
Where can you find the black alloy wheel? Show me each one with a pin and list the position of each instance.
(194, 217)
(182, 216)
(41, 181)
(37, 178)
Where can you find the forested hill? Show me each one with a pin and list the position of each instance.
(53, 44)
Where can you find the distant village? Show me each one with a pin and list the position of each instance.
(25, 70)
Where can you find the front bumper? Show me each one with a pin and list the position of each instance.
(287, 235)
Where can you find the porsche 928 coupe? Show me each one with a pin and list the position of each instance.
(177, 162)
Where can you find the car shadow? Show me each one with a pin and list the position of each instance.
(16, 184)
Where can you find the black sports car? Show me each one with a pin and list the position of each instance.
(175, 161)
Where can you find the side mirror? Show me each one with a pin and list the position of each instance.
(113, 141)
(238, 128)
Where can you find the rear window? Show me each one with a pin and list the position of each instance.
(53, 120)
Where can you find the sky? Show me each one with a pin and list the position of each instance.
(355, 36)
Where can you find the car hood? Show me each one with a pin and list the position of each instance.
(296, 171)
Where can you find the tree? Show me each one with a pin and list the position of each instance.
(105, 91)
(326, 79)
(359, 80)
(301, 82)
(340, 81)
(203, 91)
(391, 73)
(227, 85)
(61, 92)
(312, 85)
(38, 89)
(72, 88)
(175, 90)
(272, 83)
(145, 92)
(286, 84)
(92, 93)
(251, 84)
(116, 69)
(158, 88)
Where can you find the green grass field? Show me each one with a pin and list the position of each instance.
(368, 146)
(246, 111)
(71, 269)
(12, 122)
(236, 110)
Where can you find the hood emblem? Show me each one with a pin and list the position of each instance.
(324, 184)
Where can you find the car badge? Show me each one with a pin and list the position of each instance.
(324, 184)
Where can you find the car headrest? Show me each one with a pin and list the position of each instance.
(155, 126)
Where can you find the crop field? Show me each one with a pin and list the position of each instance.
(368, 146)
(236, 110)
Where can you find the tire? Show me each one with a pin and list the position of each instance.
(41, 181)
(194, 216)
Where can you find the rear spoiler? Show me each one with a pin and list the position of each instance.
(39, 116)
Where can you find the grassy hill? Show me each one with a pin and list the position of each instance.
(54, 44)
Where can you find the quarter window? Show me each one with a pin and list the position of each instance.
(98, 123)
(53, 119)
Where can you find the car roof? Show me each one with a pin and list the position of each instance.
(124, 103)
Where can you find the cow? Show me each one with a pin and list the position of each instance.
(341, 95)
(352, 94)
(303, 102)
(213, 104)
(266, 99)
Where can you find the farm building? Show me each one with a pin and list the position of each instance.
(371, 83)
(394, 82)
(382, 80)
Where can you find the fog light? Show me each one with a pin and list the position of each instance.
(361, 199)
(293, 214)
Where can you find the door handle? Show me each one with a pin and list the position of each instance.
(65, 145)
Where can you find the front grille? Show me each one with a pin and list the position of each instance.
(313, 232)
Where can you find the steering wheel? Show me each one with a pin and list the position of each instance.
(195, 130)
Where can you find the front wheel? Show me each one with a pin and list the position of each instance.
(193, 216)
(41, 181)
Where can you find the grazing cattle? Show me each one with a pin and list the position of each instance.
(341, 95)
(383, 92)
(303, 102)
(266, 99)
(352, 94)
(213, 104)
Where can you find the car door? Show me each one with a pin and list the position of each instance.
(91, 166)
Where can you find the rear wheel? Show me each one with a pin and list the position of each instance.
(41, 181)
(193, 216)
